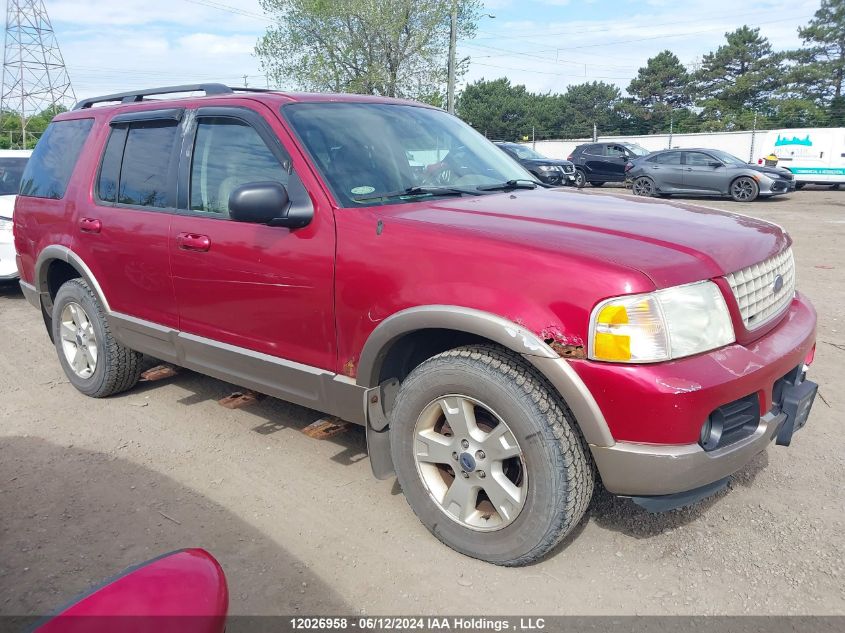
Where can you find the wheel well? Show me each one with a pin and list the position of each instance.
(58, 273)
(413, 348)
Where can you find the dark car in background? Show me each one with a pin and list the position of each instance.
(551, 171)
(598, 163)
(706, 172)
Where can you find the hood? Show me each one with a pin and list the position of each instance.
(773, 171)
(669, 242)
(545, 161)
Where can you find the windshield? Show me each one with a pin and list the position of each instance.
(11, 170)
(525, 153)
(637, 150)
(728, 159)
(366, 149)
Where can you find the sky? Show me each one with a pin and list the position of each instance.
(545, 45)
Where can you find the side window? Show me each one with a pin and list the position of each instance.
(229, 153)
(51, 164)
(614, 151)
(594, 150)
(697, 159)
(667, 158)
(147, 169)
(110, 166)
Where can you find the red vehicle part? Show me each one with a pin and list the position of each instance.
(184, 591)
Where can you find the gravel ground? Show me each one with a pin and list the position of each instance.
(88, 487)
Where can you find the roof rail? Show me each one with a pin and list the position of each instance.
(134, 96)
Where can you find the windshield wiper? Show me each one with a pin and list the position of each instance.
(417, 191)
(522, 183)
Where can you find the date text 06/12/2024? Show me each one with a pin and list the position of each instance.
(419, 623)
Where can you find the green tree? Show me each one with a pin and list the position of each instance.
(394, 48)
(661, 88)
(738, 77)
(824, 47)
(593, 103)
(497, 108)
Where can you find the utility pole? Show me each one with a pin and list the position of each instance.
(245, 84)
(753, 139)
(35, 78)
(453, 41)
(671, 127)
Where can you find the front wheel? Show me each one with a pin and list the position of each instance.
(580, 179)
(643, 187)
(744, 189)
(488, 455)
(94, 362)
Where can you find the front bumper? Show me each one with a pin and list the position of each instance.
(641, 469)
(772, 187)
(655, 412)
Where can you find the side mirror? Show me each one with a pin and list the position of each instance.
(265, 203)
(714, 163)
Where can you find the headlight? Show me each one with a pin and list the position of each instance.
(661, 325)
(5, 225)
(547, 168)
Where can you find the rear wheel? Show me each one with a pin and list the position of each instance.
(643, 186)
(488, 455)
(580, 179)
(744, 189)
(94, 362)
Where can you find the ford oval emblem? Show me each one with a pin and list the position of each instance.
(778, 285)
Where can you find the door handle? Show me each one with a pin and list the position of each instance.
(193, 242)
(90, 225)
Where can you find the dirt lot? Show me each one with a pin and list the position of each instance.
(88, 487)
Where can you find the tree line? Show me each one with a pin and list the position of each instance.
(743, 84)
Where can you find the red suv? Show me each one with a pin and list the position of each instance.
(504, 344)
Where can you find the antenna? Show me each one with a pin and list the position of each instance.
(35, 79)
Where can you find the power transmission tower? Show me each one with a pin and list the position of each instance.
(35, 79)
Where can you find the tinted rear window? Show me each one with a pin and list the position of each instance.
(48, 170)
(11, 171)
(147, 168)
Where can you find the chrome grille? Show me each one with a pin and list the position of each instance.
(754, 288)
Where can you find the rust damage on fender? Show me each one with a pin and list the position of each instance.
(563, 344)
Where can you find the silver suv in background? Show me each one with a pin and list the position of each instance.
(12, 163)
(705, 172)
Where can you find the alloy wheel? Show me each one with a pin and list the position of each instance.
(743, 189)
(643, 187)
(79, 341)
(470, 463)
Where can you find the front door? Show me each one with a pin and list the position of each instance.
(256, 287)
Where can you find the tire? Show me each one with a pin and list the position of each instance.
(834, 187)
(580, 178)
(643, 186)
(80, 332)
(799, 186)
(744, 189)
(596, 183)
(549, 466)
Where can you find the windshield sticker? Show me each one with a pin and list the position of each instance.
(359, 191)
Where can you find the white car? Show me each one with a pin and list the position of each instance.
(12, 163)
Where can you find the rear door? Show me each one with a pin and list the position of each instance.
(666, 170)
(256, 287)
(615, 159)
(595, 162)
(124, 230)
(703, 173)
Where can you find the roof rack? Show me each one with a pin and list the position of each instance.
(135, 96)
